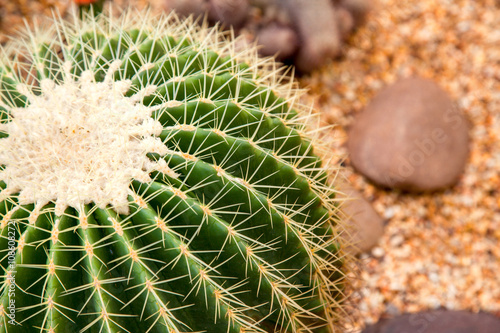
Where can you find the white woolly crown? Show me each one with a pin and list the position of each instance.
(79, 141)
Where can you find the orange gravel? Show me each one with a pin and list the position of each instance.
(443, 249)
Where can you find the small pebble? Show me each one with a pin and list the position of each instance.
(232, 13)
(365, 226)
(438, 321)
(397, 240)
(378, 252)
(277, 40)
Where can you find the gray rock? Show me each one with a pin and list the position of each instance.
(197, 8)
(345, 21)
(230, 12)
(365, 226)
(315, 22)
(307, 33)
(277, 40)
(357, 8)
(411, 137)
(438, 321)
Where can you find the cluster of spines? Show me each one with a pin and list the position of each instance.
(238, 225)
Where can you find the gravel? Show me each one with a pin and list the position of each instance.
(439, 250)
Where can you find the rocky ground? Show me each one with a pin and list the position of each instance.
(438, 250)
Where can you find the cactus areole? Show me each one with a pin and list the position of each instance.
(157, 178)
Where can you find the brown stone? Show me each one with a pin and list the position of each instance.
(345, 22)
(411, 137)
(357, 8)
(277, 40)
(365, 226)
(232, 13)
(197, 8)
(439, 321)
(318, 30)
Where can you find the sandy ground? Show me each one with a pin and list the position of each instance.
(439, 250)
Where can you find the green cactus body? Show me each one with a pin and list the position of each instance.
(157, 179)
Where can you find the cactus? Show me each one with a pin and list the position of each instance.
(156, 177)
(89, 7)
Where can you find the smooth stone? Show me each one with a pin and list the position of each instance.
(438, 321)
(197, 8)
(277, 40)
(365, 226)
(410, 137)
(318, 31)
(345, 21)
(230, 12)
(357, 8)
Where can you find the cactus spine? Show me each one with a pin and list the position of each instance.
(155, 178)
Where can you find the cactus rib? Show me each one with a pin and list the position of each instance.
(157, 177)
